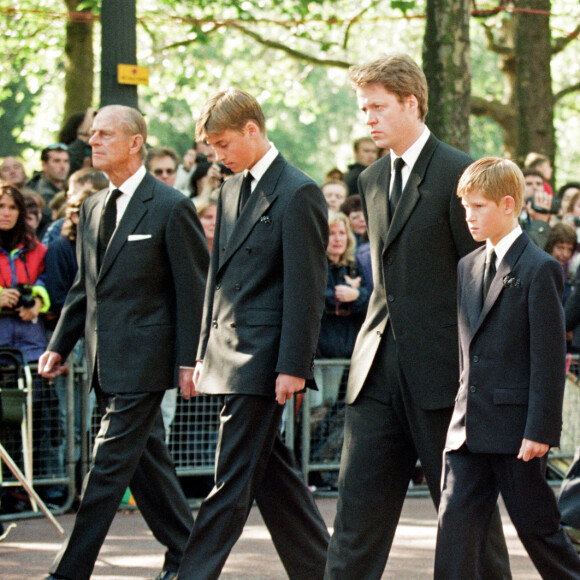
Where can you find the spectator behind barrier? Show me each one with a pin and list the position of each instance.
(23, 297)
(542, 164)
(162, 162)
(366, 153)
(347, 297)
(207, 212)
(352, 207)
(207, 179)
(12, 170)
(539, 207)
(199, 153)
(87, 176)
(565, 194)
(23, 294)
(75, 134)
(335, 192)
(55, 161)
(561, 246)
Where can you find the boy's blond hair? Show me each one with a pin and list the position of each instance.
(496, 178)
(228, 109)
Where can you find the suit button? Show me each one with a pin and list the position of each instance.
(214, 324)
(473, 388)
(237, 287)
(390, 298)
(475, 359)
(249, 250)
(233, 324)
(218, 286)
(379, 333)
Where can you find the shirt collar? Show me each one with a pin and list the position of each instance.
(502, 247)
(412, 154)
(129, 186)
(263, 164)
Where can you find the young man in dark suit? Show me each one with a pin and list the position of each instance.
(508, 411)
(138, 298)
(404, 370)
(263, 305)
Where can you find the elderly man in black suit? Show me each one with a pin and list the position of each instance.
(404, 373)
(263, 305)
(138, 297)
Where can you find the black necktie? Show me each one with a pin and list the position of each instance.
(397, 186)
(108, 223)
(489, 273)
(245, 191)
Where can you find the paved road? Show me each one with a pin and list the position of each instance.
(131, 552)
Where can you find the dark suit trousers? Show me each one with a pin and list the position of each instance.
(471, 485)
(385, 433)
(129, 451)
(253, 463)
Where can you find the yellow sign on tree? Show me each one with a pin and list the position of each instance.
(131, 74)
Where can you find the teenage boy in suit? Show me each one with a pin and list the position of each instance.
(508, 411)
(263, 305)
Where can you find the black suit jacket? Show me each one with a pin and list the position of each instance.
(266, 286)
(512, 352)
(414, 261)
(141, 313)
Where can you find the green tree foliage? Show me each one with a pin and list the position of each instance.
(292, 54)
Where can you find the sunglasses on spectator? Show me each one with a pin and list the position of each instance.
(54, 146)
(159, 172)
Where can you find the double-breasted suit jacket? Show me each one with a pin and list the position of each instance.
(140, 313)
(512, 352)
(414, 259)
(265, 293)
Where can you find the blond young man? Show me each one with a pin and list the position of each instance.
(263, 305)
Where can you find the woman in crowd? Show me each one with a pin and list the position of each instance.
(347, 297)
(23, 297)
(206, 179)
(207, 212)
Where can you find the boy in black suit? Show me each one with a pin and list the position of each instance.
(508, 410)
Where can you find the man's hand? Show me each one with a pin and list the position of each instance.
(286, 386)
(50, 365)
(531, 449)
(188, 380)
(542, 200)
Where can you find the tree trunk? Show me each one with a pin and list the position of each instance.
(446, 62)
(79, 63)
(535, 101)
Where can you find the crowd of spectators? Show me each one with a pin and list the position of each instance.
(39, 216)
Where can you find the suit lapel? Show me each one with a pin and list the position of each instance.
(505, 268)
(411, 194)
(261, 199)
(133, 215)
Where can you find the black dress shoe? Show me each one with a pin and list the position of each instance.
(167, 575)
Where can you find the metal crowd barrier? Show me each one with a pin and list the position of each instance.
(48, 456)
(313, 427)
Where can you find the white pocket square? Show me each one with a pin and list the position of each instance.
(137, 237)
